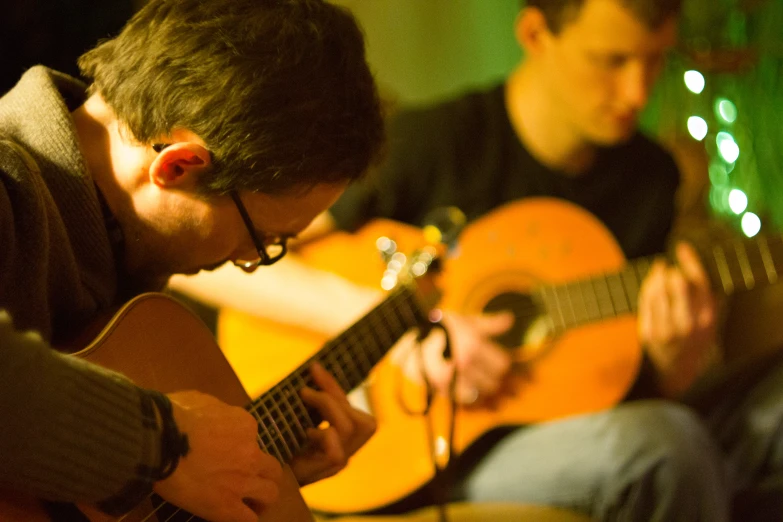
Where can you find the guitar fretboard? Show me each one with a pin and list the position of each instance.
(739, 265)
(283, 418)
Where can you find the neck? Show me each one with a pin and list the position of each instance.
(540, 127)
(112, 163)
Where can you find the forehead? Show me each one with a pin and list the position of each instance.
(610, 26)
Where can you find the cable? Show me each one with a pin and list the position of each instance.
(440, 480)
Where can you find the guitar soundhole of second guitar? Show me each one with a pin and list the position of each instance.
(529, 328)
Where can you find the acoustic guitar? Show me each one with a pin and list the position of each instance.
(160, 344)
(561, 273)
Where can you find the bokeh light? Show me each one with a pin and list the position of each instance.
(697, 127)
(694, 81)
(751, 224)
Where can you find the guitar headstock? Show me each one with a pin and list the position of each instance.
(417, 270)
(441, 229)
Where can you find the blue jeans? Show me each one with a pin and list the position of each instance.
(646, 460)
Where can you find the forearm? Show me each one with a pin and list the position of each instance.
(289, 292)
(72, 432)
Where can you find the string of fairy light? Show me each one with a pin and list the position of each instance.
(717, 133)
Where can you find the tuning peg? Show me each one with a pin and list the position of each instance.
(443, 225)
(387, 247)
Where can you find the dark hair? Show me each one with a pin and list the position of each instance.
(652, 13)
(279, 90)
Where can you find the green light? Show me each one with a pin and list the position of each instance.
(697, 127)
(738, 201)
(694, 81)
(718, 175)
(715, 201)
(727, 147)
(751, 224)
(725, 110)
(719, 198)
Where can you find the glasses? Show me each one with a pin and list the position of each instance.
(269, 252)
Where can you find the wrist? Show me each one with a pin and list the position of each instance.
(173, 443)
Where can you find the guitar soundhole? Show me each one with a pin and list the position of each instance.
(526, 315)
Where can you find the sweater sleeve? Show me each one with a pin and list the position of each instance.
(72, 431)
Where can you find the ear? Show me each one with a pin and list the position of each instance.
(531, 30)
(179, 165)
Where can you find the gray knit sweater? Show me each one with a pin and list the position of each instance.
(71, 431)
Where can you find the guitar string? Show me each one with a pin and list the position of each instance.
(370, 318)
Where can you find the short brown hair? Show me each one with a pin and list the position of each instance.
(652, 13)
(279, 90)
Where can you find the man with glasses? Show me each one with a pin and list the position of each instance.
(211, 133)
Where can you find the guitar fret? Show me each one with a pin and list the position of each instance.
(292, 401)
(281, 424)
(567, 297)
(407, 312)
(630, 283)
(558, 307)
(600, 287)
(366, 341)
(275, 435)
(766, 258)
(745, 269)
(392, 317)
(375, 349)
(581, 313)
(264, 437)
(723, 270)
(350, 363)
(617, 292)
(288, 435)
(402, 312)
(335, 368)
(589, 299)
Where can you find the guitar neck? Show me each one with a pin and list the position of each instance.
(739, 265)
(283, 418)
(744, 264)
(593, 299)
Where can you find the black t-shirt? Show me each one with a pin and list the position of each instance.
(466, 153)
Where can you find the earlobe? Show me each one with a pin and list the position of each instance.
(179, 165)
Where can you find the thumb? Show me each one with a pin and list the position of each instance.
(495, 323)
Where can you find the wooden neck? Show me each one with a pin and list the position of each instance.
(283, 419)
(739, 265)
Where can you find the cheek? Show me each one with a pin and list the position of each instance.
(220, 238)
(580, 87)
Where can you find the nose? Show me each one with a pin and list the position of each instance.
(636, 85)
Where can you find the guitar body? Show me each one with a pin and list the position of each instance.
(159, 344)
(507, 253)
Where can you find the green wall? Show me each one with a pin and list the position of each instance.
(423, 50)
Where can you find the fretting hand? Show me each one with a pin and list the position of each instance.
(346, 429)
(677, 320)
